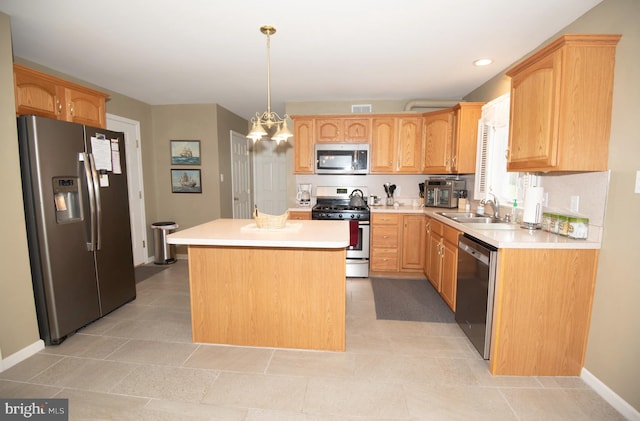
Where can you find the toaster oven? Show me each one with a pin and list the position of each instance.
(442, 192)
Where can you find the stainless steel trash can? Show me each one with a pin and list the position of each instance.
(164, 253)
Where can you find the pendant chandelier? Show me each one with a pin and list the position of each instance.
(269, 119)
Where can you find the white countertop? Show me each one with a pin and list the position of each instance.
(244, 233)
(514, 237)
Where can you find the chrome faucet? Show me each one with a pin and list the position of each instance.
(495, 205)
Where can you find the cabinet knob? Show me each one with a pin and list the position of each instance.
(59, 106)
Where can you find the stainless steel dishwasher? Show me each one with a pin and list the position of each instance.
(475, 291)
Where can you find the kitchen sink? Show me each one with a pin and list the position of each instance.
(478, 221)
(470, 217)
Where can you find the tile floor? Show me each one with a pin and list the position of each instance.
(139, 363)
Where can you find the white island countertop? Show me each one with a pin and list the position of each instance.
(244, 233)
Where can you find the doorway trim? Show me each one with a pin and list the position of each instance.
(135, 183)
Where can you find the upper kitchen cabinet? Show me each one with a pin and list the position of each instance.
(409, 145)
(303, 145)
(48, 96)
(450, 139)
(465, 137)
(383, 145)
(438, 128)
(343, 130)
(561, 106)
(396, 144)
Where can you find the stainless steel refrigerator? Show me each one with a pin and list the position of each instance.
(77, 213)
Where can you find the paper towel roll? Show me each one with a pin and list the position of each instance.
(533, 205)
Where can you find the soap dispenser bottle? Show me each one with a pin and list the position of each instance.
(514, 211)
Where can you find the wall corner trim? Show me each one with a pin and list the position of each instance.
(622, 406)
(23, 354)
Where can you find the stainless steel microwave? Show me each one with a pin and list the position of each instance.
(342, 158)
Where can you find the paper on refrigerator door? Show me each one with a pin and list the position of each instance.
(115, 156)
(101, 149)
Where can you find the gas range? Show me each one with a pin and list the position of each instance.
(334, 203)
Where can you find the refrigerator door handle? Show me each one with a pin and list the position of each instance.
(82, 157)
(96, 187)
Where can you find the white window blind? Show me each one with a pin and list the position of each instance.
(491, 161)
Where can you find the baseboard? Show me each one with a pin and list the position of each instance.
(622, 406)
(23, 354)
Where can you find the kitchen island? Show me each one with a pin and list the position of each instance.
(283, 288)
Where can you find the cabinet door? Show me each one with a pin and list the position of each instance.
(409, 145)
(427, 244)
(434, 261)
(532, 137)
(437, 142)
(383, 145)
(85, 108)
(357, 130)
(413, 242)
(329, 130)
(37, 95)
(464, 139)
(303, 160)
(449, 273)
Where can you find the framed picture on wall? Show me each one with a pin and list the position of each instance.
(185, 181)
(185, 152)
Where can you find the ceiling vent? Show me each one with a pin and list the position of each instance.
(361, 108)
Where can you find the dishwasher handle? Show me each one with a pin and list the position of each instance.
(474, 253)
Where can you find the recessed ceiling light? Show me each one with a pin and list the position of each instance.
(482, 62)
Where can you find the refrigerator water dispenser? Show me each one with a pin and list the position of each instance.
(67, 200)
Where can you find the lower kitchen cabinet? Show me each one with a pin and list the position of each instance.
(441, 259)
(397, 243)
(385, 242)
(302, 215)
(542, 311)
(413, 242)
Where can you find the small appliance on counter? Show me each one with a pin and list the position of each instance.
(303, 196)
(443, 192)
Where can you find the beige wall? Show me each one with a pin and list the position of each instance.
(614, 339)
(186, 122)
(16, 293)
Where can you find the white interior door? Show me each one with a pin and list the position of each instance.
(241, 176)
(131, 129)
(270, 177)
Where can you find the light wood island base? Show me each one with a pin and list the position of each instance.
(268, 297)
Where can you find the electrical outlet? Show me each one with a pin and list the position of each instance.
(575, 203)
(637, 190)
